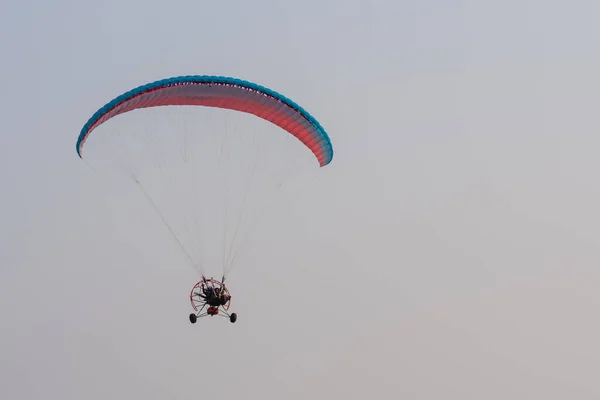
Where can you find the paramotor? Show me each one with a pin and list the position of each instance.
(212, 295)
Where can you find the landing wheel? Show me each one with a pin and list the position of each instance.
(233, 317)
(193, 318)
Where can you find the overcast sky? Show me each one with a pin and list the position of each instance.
(453, 241)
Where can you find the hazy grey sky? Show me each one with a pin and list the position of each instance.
(463, 190)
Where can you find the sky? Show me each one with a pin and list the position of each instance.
(450, 250)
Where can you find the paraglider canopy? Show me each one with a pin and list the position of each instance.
(220, 92)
